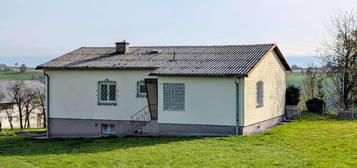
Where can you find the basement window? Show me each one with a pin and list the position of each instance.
(173, 96)
(140, 89)
(107, 92)
(108, 129)
(260, 94)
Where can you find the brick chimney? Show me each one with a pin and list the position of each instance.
(122, 47)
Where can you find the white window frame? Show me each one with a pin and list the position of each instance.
(138, 85)
(260, 94)
(110, 128)
(108, 83)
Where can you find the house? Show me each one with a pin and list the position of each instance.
(165, 90)
(8, 109)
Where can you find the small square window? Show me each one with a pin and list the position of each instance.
(174, 97)
(108, 129)
(140, 89)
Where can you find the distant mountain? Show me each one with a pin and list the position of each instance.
(303, 61)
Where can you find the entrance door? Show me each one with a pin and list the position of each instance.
(151, 90)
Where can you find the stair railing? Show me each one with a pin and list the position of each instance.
(140, 119)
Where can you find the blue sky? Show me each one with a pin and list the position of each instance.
(35, 31)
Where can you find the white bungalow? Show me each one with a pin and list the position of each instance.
(165, 90)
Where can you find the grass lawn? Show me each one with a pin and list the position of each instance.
(14, 74)
(314, 141)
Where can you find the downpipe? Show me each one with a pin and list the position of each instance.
(47, 102)
(236, 81)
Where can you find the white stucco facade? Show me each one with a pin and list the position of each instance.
(272, 73)
(73, 94)
(209, 101)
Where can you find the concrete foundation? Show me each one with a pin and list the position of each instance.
(260, 126)
(67, 128)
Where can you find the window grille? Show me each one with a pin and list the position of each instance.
(260, 94)
(107, 92)
(174, 96)
(140, 89)
(108, 128)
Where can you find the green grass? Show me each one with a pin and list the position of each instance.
(14, 74)
(315, 141)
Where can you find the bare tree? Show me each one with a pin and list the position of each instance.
(22, 68)
(41, 95)
(30, 103)
(18, 96)
(9, 113)
(313, 84)
(341, 56)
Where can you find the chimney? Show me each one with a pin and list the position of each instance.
(122, 47)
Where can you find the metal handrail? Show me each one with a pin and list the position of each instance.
(140, 119)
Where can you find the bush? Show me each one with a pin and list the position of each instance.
(315, 105)
(292, 96)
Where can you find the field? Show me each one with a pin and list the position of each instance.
(314, 141)
(13, 74)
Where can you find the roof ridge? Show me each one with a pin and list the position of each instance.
(219, 45)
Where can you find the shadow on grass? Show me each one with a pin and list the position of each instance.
(25, 146)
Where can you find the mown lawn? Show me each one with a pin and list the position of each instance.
(312, 142)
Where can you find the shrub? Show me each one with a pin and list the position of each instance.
(315, 105)
(292, 96)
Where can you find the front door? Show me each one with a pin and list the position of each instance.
(151, 90)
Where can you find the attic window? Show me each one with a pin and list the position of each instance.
(107, 92)
(154, 51)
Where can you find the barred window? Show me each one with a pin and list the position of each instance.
(260, 94)
(107, 92)
(140, 89)
(108, 128)
(173, 96)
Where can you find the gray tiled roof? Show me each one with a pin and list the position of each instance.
(226, 60)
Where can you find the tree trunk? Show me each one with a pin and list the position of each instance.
(28, 121)
(44, 119)
(9, 118)
(20, 118)
(10, 122)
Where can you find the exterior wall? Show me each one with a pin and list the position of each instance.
(269, 70)
(208, 101)
(73, 94)
(260, 126)
(196, 130)
(65, 128)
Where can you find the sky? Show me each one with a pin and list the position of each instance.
(35, 31)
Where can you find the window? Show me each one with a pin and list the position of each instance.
(140, 89)
(107, 128)
(260, 94)
(174, 97)
(107, 92)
